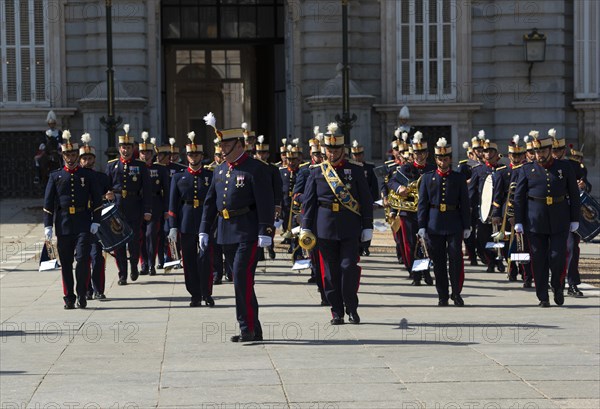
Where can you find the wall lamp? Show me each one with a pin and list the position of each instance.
(535, 49)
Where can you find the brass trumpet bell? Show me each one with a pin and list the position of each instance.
(307, 240)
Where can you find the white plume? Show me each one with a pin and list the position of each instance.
(552, 133)
(210, 120)
(216, 141)
(48, 133)
(86, 138)
(332, 128)
(534, 134)
(418, 136)
(51, 116)
(404, 136)
(260, 139)
(465, 145)
(526, 139)
(316, 130)
(397, 133)
(296, 141)
(66, 135)
(153, 141)
(319, 137)
(144, 136)
(289, 147)
(171, 141)
(442, 142)
(283, 141)
(355, 144)
(245, 126)
(515, 139)
(481, 134)
(126, 129)
(191, 136)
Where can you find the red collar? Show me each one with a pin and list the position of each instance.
(71, 171)
(339, 165)
(416, 165)
(240, 160)
(443, 174)
(398, 161)
(291, 169)
(489, 165)
(126, 161)
(194, 172)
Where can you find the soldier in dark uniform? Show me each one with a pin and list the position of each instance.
(338, 207)
(159, 178)
(289, 207)
(72, 203)
(444, 221)
(558, 152)
(262, 154)
(48, 158)
(358, 155)
(399, 182)
(283, 154)
(131, 185)
(163, 157)
(504, 186)
(465, 167)
(316, 155)
(529, 153)
(484, 227)
(547, 207)
(186, 200)
(87, 159)
(218, 267)
(244, 207)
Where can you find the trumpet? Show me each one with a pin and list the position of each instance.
(508, 212)
(288, 234)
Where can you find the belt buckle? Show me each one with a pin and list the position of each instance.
(291, 194)
(549, 200)
(443, 207)
(71, 209)
(196, 203)
(225, 214)
(335, 207)
(124, 193)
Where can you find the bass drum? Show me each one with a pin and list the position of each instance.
(589, 222)
(487, 198)
(114, 231)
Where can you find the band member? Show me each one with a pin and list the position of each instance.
(87, 159)
(465, 167)
(244, 206)
(289, 207)
(444, 221)
(47, 157)
(484, 227)
(130, 183)
(402, 182)
(547, 208)
(338, 207)
(159, 182)
(283, 154)
(72, 203)
(503, 205)
(163, 157)
(299, 188)
(262, 154)
(559, 149)
(186, 199)
(529, 153)
(358, 155)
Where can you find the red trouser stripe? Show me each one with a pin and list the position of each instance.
(249, 288)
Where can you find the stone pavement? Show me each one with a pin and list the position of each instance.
(145, 348)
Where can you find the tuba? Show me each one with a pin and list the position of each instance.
(408, 203)
(307, 240)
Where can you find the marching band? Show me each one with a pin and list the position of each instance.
(530, 213)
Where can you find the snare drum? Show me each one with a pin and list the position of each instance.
(487, 198)
(114, 230)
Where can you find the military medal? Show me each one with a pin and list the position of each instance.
(206, 181)
(560, 175)
(83, 182)
(240, 181)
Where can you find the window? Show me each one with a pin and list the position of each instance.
(208, 64)
(23, 67)
(587, 57)
(426, 38)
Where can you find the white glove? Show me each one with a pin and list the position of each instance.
(366, 235)
(94, 227)
(264, 241)
(421, 232)
(172, 235)
(573, 227)
(518, 228)
(48, 232)
(42, 146)
(203, 237)
(466, 233)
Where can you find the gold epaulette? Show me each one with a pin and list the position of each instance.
(582, 165)
(112, 160)
(517, 167)
(304, 164)
(209, 167)
(263, 161)
(283, 167)
(501, 167)
(474, 166)
(158, 163)
(463, 161)
(315, 165)
(389, 161)
(355, 162)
